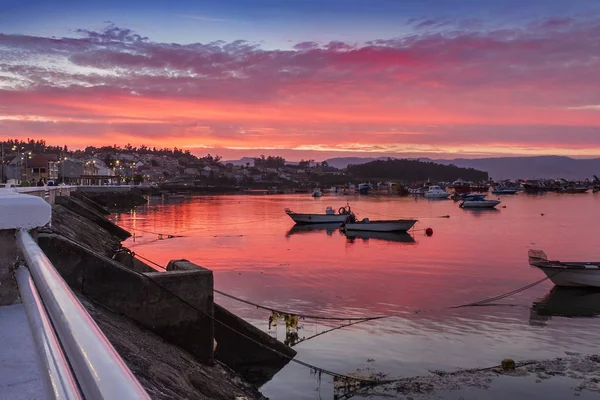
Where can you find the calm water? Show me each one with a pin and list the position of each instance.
(255, 254)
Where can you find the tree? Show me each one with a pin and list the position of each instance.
(138, 178)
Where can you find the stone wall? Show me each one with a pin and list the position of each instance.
(141, 298)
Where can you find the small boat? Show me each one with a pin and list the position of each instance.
(460, 186)
(329, 217)
(503, 190)
(317, 193)
(566, 273)
(479, 203)
(395, 225)
(364, 188)
(573, 190)
(468, 196)
(436, 192)
(418, 191)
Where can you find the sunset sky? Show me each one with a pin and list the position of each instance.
(305, 79)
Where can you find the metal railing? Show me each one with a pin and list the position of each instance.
(99, 371)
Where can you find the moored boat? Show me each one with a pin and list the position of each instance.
(394, 225)
(364, 188)
(468, 196)
(574, 190)
(479, 203)
(566, 273)
(500, 189)
(436, 192)
(330, 216)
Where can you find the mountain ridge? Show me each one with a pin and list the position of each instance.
(498, 168)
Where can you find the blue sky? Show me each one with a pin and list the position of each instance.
(276, 24)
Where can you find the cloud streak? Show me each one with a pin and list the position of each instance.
(519, 88)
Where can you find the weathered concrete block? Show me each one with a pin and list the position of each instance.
(241, 346)
(149, 302)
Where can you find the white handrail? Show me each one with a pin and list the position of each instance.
(99, 370)
(58, 378)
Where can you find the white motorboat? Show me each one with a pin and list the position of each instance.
(317, 193)
(436, 192)
(394, 225)
(566, 273)
(479, 203)
(330, 216)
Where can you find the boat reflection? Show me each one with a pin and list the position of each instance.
(565, 302)
(328, 228)
(401, 237)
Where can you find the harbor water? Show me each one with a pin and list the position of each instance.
(257, 254)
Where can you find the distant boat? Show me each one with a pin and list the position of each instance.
(176, 196)
(566, 273)
(436, 192)
(479, 203)
(574, 190)
(468, 196)
(317, 193)
(460, 186)
(364, 188)
(503, 190)
(330, 216)
(395, 225)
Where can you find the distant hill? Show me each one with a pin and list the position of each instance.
(532, 167)
(508, 167)
(413, 171)
(498, 168)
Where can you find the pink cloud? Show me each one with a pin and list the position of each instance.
(505, 87)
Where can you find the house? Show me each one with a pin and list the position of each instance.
(206, 171)
(42, 166)
(71, 170)
(191, 171)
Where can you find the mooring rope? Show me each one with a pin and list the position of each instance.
(366, 318)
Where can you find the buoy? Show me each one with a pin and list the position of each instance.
(508, 364)
(429, 232)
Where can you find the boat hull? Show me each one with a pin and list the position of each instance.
(402, 225)
(317, 218)
(504, 191)
(573, 277)
(437, 195)
(480, 204)
(574, 190)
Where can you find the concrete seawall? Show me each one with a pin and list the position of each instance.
(147, 300)
(176, 305)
